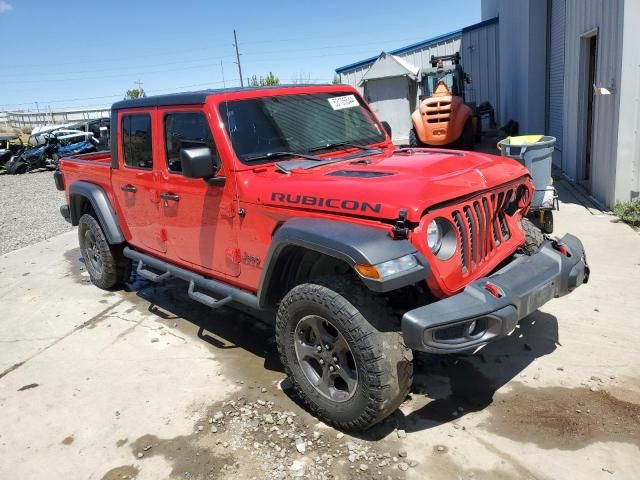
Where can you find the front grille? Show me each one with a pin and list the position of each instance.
(482, 228)
(438, 111)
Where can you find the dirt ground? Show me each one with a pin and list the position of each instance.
(146, 384)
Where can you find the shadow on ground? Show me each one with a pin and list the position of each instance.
(455, 384)
(224, 329)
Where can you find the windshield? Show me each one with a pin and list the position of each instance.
(432, 79)
(298, 123)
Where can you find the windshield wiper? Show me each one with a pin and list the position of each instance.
(330, 146)
(269, 155)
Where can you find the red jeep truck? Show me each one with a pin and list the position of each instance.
(293, 202)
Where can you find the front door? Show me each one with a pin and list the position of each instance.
(199, 216)
(135, 182)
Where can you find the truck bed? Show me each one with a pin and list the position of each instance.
(101, 157)
(89, 167)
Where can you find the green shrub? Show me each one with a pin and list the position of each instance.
(629, 212)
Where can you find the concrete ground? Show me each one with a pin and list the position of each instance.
(146, 384)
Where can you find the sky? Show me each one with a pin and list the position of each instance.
(83, 55)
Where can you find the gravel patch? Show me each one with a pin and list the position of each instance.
(29, 210)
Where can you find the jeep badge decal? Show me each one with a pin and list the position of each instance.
(311, 201)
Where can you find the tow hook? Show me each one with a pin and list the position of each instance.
(562, 248)
(400, 229)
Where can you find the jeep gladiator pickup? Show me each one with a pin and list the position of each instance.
(292, 202)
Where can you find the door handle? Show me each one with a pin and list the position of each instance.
(128, 188)
(170, 196)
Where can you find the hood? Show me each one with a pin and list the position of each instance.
(382, 185)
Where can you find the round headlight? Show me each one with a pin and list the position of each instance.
(434, 236)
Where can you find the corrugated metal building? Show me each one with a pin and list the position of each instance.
(582, 58)
(567, 68)
(394, 101)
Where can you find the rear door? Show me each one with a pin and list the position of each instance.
(199, 217)
(135, 181)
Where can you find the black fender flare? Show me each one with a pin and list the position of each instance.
(348, 242)
(101, 205)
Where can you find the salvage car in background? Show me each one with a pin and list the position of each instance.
(57, 144)
(10, 145)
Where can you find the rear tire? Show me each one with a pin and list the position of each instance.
(534, 238)
(414, 141)
(106, 265)
(379, 366)
(18, 168)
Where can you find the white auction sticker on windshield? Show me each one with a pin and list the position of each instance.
(346, 101)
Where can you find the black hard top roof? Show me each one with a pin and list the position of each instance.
(194, 98)
(8, 137)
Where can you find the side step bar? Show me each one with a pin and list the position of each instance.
(149, 275)
(226, 293)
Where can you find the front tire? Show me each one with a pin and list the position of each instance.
(534, 238)
(106, 265)
(371, 372)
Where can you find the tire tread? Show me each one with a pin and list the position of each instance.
(383, 352)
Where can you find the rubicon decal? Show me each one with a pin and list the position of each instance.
(337, 203)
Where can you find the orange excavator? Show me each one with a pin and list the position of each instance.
(442, 118)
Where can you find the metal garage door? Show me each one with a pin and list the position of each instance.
(556, 75)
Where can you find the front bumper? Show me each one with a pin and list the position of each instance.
(491, 307)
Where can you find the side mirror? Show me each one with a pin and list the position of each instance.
(386, 127)
(198, 163)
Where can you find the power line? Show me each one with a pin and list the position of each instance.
(205, 65)
(103, 59)
(121, 67)
(56, 80)
(119, 95)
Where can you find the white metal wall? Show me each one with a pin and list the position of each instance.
(627, 183)
(555, 90)
(480, 59)
(422, 57)
(583, 16)
(419, 57)
(522, 61)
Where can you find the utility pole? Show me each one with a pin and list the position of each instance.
(235, 44)
(139, 83)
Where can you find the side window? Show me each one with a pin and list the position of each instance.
(185, 130)
(136, 141)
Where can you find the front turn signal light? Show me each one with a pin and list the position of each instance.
(388, 268)
(368, 271)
